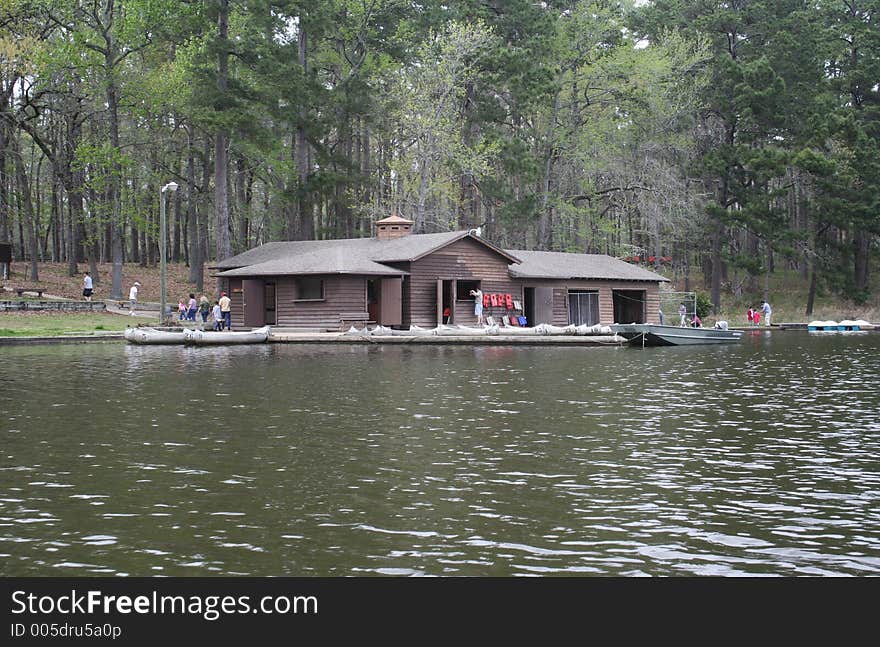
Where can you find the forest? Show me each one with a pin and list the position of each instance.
(716, 142)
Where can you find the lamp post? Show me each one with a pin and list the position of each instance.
(171, 186)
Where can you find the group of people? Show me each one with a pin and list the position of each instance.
(753, 315)
(220, 312)
(694, 322)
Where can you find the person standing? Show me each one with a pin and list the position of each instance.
(765, 308)
(682, 314)
(217, 316)
(660, 313)
(750, 315)
(133, 297)
(478, 305)
(192, 307)
(204, 308)
(87, 287)
(226, 311)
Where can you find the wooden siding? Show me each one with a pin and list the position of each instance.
(606, 302)
(466, 260)
(341, 294)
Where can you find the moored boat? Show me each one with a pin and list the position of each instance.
(208, 337)
(654, 335)
(146, 335)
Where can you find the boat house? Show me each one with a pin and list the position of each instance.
(397, 278)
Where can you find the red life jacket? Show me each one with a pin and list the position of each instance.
(508, 298)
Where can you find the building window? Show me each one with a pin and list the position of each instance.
(309, 289)
(463, 290)
(583, 307)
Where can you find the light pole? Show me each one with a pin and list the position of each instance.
(171, 186)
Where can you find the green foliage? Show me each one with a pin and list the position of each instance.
(704, 305)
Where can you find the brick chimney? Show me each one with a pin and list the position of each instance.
(393, 227)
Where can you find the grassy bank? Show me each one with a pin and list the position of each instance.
(53, 324)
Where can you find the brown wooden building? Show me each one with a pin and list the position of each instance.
(398, 278)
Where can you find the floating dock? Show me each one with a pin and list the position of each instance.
(300, 337)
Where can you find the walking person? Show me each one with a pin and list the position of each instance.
(765, 308)
(181, 310)
(87, 287)
(133, 297)
(204, 308)
(478, 305)
(192, 308)
(226, 310)
(217, 315)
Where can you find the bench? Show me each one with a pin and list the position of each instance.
(348, 319)
(37, 291)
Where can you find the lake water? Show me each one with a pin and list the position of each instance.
(756, 458)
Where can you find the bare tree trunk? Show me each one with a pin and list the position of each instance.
(4, 182)
(861, 254)
(27, 208)
(221, 140)
(811, 295)
(196, 254)
(306, 221)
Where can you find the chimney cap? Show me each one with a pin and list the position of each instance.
(394, 219)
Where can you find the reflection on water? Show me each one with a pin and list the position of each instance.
(755, 458)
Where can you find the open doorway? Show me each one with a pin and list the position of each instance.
(629, 306)
(270, 317)
(446, 301)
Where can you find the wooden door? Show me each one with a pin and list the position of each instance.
(391, 302)
(543, 306)
(253, 303)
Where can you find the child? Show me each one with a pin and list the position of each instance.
(756, 317)
(181, 310)
(218, 316)
(750, 315)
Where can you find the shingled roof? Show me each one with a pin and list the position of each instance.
(345, 256)
(561, 265)
(369, 256)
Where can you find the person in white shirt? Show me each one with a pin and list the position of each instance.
(87, 286)
(218, 316)
(765, 308)
(478, 305)
(133, 297)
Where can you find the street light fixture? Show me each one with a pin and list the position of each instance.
(171, 186)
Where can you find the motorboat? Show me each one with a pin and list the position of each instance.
(655, 335)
